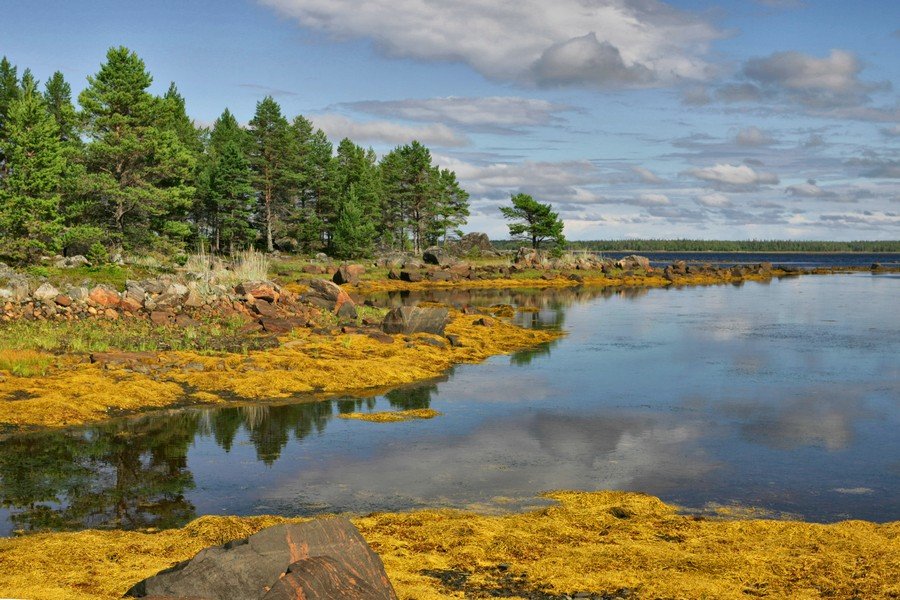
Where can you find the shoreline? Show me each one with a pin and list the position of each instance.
(604, 544)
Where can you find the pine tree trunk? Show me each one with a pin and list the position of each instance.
(269, 245)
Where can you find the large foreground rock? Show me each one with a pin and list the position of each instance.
(437, 256)
(414, 319)
(634, 261)
(328, 295)
(326, 558)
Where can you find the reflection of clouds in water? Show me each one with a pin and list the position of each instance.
(518, 459)
(819, 419)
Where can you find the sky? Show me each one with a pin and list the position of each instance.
(713, 119)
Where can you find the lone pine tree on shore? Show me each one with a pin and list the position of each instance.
(533, 221)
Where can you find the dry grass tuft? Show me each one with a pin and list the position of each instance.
(597, 542)
(248, 265)
(392, 416)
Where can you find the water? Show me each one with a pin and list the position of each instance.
(786, 259)
(784, 396)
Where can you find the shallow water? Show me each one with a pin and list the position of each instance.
(781, 395)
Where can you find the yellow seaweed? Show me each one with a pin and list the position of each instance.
(598, 542)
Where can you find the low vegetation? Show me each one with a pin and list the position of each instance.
(391, 416)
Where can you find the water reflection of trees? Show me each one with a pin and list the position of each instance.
(134, 474)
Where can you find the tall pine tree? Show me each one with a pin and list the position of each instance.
(138, 168)
(270, 159)
(30, 218)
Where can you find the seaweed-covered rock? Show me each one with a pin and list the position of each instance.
(415, 319)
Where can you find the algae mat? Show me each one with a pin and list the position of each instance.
(305, 363)
(600, 542)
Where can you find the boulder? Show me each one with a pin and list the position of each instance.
(440, 276)
(161, 318)
(329, 295)
(410, 276)
(260, 290)
(471, 243)
(437, 256)
(276, 563)
(634, 261)
(70, 262)
(63, 300)
(104, 297)
(45, 292)
(348, 274)
(415, 319)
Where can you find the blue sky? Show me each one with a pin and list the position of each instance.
(744, 119)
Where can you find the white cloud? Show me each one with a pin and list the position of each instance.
(600, 43)
(490, 113)
(339, 126)
(713, 200)
(653, 200)
(734, 175)
(809, 190)
(646, 175)
(753, 136)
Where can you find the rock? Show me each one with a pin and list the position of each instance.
(765, 267)
(415, 319)
(471, 243)
(162, 318)
(380, 336)
(634, 262)
(484, 322)
(394, 274)
(322, 578)
(63, 300)
(256, 567)
(875, 266)
(260, 290)
(276, 325)
(183, 320)
(70, 262)
(437, 256)
(265, 309)
(410, 276)
(348, 274)
(130, 304)
(104, 297)
(314, 269)
(454, 340)
(122, 358)
(440, 276)
(45, 292)
(329, 295)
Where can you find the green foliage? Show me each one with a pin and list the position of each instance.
(138, 169)
(132, 172)
(354, 233)
(683, 245)
(533, 221)
(30, 195)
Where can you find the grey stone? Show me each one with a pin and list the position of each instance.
(414, 319)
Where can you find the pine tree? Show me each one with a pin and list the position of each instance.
(175, 117)
(137, 167)
(354, 232)
(533, 221)
(30, 194)
(270, 159)
(232, 194)
(452, 206)
(9, 92)
(58, 97)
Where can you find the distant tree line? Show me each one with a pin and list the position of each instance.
(722, 246)
(128, 169)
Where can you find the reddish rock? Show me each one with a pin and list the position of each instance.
(162, 318)
(122, 358)
(63, 300)
(260, 290)
(415, 319)
(314, 269)
(130, 304)
(348, 274)
(104, 297)
(111, 314)
(183, 320)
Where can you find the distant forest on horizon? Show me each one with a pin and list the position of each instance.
(683, 245)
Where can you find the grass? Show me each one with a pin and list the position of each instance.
(25, 363)
(248, 265)
(112, 275)
(95, 335)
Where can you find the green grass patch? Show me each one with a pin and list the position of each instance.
(25, 363)
(130, 335)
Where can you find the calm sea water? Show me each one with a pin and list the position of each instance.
(784, 396)
(787, 259)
